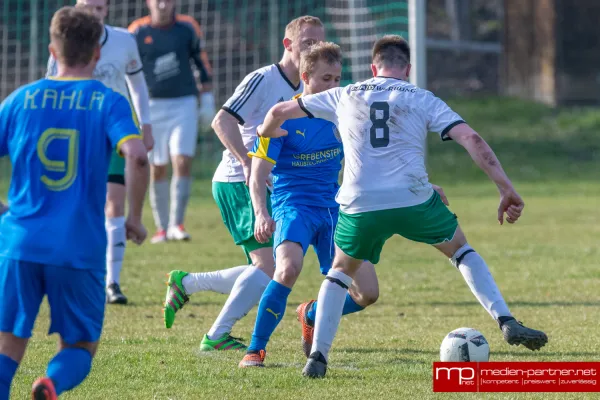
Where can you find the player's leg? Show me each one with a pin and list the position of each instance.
(114, 211)
(245, 283)
(295, 229)
(159, 196)
(159, 159)
(12, 350)
(363, 293)
(77, 307)
(432, 222)
(251, 284)
(358, 237)
(271, 308)
(477, 275)
(21, 285)
(331, 298)
(182, 145)
(231, 200)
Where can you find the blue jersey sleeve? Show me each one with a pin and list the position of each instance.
(5, 118)
(267, 148)
(122, 124)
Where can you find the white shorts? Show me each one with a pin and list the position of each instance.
(174, 127)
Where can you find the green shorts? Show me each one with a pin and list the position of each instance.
(236, 209)
(362, 235)
(116, 169)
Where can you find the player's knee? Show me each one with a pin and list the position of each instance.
(182, 165)
(369, 297)
(287, 272)
(159, 172)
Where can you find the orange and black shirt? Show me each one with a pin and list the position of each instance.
(166, 54)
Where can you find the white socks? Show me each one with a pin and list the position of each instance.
(330, 305)
(115, 249)
(215, 281)
(180, 195)
(159, 200)
(477, 275)
(245, 294)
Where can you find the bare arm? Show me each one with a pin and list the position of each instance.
(264, 226)
(226, 128)
(258, 190)
(483, 155)
(137, 174)
(277, 115)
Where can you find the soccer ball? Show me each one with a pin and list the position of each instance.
(465, 344)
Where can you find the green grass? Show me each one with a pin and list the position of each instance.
(546, 267)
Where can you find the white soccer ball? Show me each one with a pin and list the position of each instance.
(465, 344)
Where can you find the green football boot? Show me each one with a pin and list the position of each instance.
(176, 296)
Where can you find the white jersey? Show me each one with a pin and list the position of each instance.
(383, 123)
(252, 100)
(119, 57)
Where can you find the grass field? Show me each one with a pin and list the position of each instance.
(546, 267)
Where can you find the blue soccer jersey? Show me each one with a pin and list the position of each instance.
(59, 134)
(307, 163)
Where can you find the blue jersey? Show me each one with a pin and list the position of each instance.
(60, 134)
(307, 162)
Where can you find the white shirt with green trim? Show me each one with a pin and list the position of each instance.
(253, 98)
(383, 123)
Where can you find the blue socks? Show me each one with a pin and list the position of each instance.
(270, 312)
(350, 307)
(8, 368)
(69, 368)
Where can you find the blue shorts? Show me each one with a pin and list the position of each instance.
(308, 226)
(76, 297)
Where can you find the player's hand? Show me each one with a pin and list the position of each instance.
(135, 230)
(511, 204)
(264, 227)
(273, 134)
(440, 191)
(147, 136)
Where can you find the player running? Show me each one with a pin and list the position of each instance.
(120, 69)
(235, 124)
(306, 167)
(167, 43)
(60, 134)
(383, 123)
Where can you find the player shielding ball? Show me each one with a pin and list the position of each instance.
(120, 69)
(383, 123)
(60, 134)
